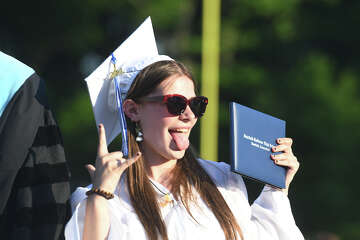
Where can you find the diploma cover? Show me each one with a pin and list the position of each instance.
(252, 135)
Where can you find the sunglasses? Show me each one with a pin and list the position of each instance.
(176, 103)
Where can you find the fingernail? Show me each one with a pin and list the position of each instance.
(138, 153)
(276, 161)
(279, 140)
(99, 126)
(274, 149)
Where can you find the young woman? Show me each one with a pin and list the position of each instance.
(163, 191)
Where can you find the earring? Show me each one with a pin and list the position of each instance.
(139, 134)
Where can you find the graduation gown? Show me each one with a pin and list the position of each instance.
(268, 218)
(34, 176)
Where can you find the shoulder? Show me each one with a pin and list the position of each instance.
(218, 171)
(14, 74)
(212, 165)
(223, 177)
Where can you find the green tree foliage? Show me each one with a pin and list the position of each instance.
(296, 60)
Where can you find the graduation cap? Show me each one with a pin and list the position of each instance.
(13, 74)
(109, 83)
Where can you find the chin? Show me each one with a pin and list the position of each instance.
(176, 154)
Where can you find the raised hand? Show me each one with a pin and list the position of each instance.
(286, 158)
(108, 166)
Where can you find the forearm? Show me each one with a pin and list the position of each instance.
(272, 218)
(97, 220)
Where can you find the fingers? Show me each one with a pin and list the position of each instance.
(115, 162)
(123, 164)
(284, 141)
(111, 156)
(91, 169)
(109, 169)
(282, 148)
(102, 147)
(132, 160)
(284, 145)
(286, 159)
(290, 162)
(286, 156)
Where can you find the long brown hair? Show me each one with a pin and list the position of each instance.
(187, 174)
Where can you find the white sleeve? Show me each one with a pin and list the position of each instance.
(269, 217)
(74, 228)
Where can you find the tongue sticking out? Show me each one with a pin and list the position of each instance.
(181, 140)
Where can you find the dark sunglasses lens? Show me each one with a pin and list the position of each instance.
(198, 105)
(176, 105)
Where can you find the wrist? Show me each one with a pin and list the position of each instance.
(100, 192)
(272, 188)
(108, 185)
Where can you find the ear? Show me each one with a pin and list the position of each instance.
(131, 109)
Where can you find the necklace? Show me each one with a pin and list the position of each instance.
(165, 199)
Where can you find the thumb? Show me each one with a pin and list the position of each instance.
(91, 169)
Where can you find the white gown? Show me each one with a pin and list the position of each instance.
(268, 218)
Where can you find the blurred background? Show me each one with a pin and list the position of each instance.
(298, 60)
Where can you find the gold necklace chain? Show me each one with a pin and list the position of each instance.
(166, 198)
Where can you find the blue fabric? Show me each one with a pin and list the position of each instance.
(13, 74)
(124, 146)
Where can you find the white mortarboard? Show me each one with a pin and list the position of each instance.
(135, 53)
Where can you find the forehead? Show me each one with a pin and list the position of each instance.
(176, 84)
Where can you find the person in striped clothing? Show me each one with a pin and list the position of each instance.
(34, 176)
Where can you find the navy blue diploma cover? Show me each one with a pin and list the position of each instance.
(252, 135)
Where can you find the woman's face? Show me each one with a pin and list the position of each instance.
(166, 137)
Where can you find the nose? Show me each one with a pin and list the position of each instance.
(187, 115)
